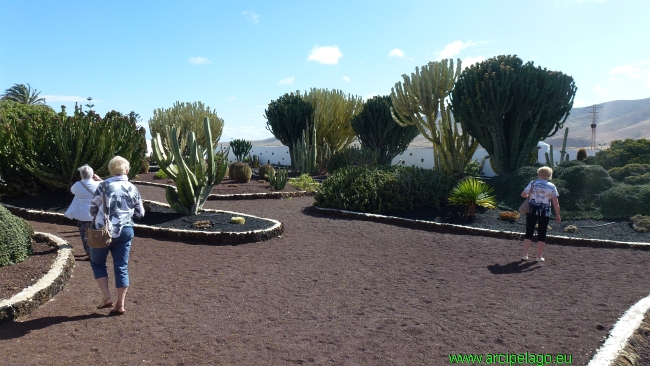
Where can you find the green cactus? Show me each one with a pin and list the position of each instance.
(241, 172)
(279, 179)
(419, 100)
(240, 148)
(265, 171)
(304, 151)
(377, 131)
(193, 173)
(509, 106)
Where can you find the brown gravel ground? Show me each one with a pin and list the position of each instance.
(14, 279)
(332, 291)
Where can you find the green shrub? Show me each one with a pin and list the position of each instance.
(351, 156)
(161, 174)
(384, 189)
(41, 153)
(636, 180)
(620, 173)
(305, 182)
(624, 201)
(621, 153)
(508, 187)
(15, 238)
(471, 192)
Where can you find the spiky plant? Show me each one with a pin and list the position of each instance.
(472, 192)
(23, 94)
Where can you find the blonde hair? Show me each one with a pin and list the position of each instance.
(118, 165)
(86, 171)
(545, 173)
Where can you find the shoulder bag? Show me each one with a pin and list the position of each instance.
(525, 206)
(99, 238)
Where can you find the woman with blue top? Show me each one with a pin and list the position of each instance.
(542, 194)
(84, 191)
(123, 202)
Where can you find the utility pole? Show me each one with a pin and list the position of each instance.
(594, 116)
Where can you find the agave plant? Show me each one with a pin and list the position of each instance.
(472, 192)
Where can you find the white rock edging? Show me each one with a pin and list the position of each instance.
(45, 288)
(619, 335)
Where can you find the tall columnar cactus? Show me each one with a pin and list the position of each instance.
(418, 101)
(195, 174)
(304, 152)
(278, 179)
(287, 117)
(509, 106)
(240, 148)
(377, 131)
(333, 112)
(187, 117)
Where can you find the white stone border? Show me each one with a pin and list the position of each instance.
(30, 298)
(621, 333)
(206, 237)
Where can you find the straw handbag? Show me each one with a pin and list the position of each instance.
(99, 238)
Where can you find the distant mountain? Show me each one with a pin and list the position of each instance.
(617, 120)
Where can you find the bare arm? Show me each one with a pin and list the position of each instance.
(556, 206)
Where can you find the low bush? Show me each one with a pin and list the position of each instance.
(384, 189)
(620, 173)
(624, 152)
(15, 238)
(636, 180)
(624, 201)
(161, 174)
(305, 182)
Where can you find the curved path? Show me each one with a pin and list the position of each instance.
(333, 291)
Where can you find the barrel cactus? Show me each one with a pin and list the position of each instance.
(241, 172)
(265, 171)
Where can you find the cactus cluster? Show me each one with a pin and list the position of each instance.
(279, 179)
(304, 152)
(564, 156)
(193, 173)
(240, 148)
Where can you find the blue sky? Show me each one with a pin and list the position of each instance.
(237, 56)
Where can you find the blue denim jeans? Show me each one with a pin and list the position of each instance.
(119, 249)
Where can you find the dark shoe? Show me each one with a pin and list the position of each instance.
(116, 312)
(105, 305)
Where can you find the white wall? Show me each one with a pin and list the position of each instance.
(420, 157)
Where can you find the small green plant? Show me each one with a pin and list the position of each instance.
(15, 238)
(278, 179)
(161, 174)
(472, 192)
(305, 182)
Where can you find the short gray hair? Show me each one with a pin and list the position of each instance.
(118, 165)
(86, 171)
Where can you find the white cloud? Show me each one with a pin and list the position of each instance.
(454, 48)
(577, 103)
(346, 78)
(396, 53)
(287, 81)
(600, 90)
(638, 71)
(252, 17)
(328, 55)
(469, 61)
(249, 133)
(65, 98)
(199, 60)
(231, 99)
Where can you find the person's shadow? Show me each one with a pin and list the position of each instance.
(15, 329)
(513, 267)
